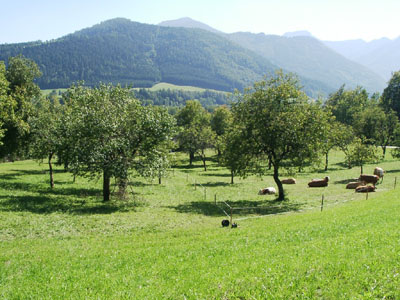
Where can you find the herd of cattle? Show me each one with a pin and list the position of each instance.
(363, 184)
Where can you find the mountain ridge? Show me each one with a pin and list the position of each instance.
(132, 53)
(127, 52)
(305, 55)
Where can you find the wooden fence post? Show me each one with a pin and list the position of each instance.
(322, 202)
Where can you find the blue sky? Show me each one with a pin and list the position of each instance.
(23, 20)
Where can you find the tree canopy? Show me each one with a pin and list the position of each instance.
(280, 122)
(391, 94)
(17, 91)
(107, 130)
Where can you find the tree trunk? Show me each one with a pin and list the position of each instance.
(203, 158)
(51, 171)
(362, 169)
(159, 179)
(231, 177)
(191, 158)
(122, 186)
(326, 161)
(269, 164)
(384, 151)
(281, 195)
(106, 186)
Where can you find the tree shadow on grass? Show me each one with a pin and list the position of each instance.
(43, 204)
(239, 208)
(215, 184)
(216, 175)
(35, 172)
(22, 186)
(392, 171)
(345, 181)
(188, 168)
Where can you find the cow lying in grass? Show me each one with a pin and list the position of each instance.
(365, 189)
(288, 181)
(267, 191)
(354, 184)
(319, 182)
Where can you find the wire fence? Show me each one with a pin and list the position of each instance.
(228, 210)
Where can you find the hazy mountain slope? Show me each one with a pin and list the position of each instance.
(309, 58)
(121, 51)
(188, 23)
(354, 49)
(384, 60)
(382, 55)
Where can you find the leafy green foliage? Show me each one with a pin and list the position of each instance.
(45, 131)
(391, 94)
(280, 123)
(195, 135)
(344, 104)
(17, 92)
(107, 129)
(359, 154)
(221, 120)
(376, 126)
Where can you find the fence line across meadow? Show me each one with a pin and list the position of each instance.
(231, 209)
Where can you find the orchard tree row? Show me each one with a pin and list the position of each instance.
(104, 131)
(274, 125)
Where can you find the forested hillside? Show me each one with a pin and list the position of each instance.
(319, 67)
(130, 53)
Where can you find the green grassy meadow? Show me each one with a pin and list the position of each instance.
(166, 241)
(157, 87)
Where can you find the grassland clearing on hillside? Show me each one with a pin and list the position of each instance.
(167, 241)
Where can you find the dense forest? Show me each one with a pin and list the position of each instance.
(140, 55)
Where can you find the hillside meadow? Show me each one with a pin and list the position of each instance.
(166, 241)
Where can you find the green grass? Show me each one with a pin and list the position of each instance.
(154, 88)
(185, 88)
(166, 242)
(47, 92)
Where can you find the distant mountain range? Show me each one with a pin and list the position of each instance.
(303, 54)
(126, 52)
(382, 55)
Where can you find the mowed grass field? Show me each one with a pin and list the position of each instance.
(166, 241)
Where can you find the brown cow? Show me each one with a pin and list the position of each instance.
(319, 182)
(288, 181)
(368, 179)
(365, 189)
(353, 185)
